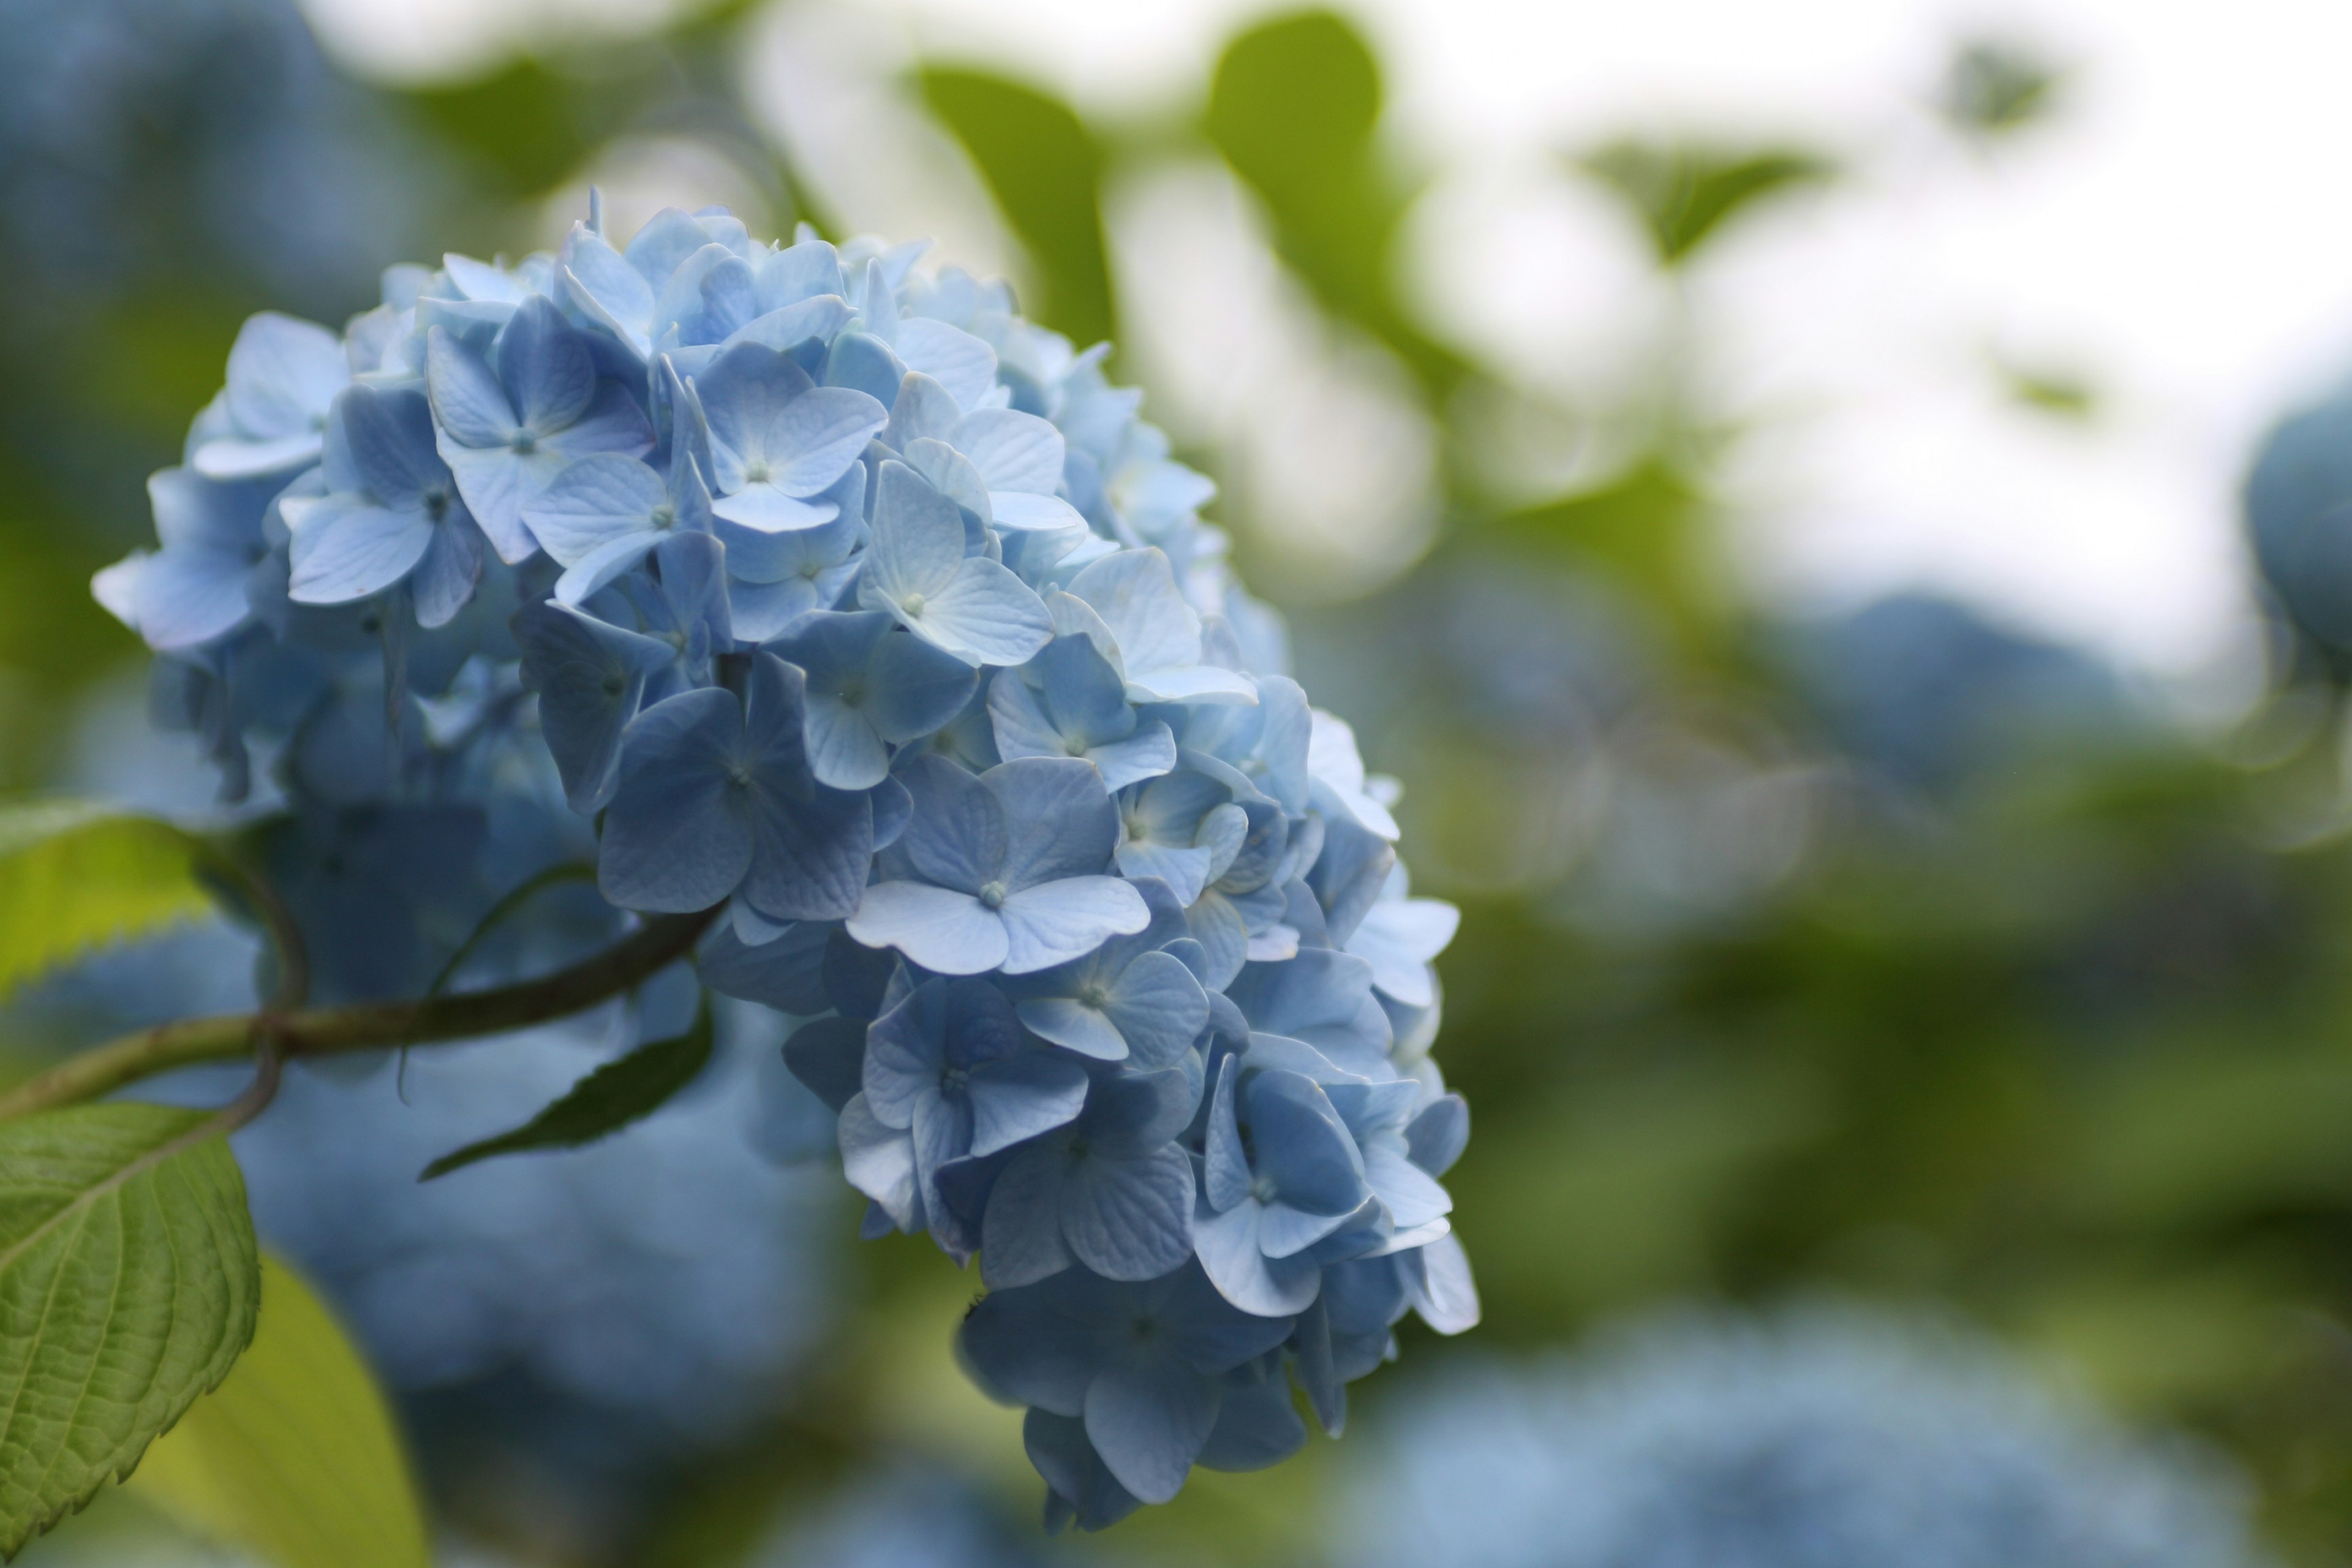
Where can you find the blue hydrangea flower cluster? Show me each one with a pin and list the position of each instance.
(837, 595)
(1828, 1436)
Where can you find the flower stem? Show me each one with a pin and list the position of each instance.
(366, 1026)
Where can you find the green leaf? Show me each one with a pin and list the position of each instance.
(1682, 195)
(1045, 168)
(127, 1282)
(74, 875)
(606, 1100)
(1294, 108)
(295, 1457)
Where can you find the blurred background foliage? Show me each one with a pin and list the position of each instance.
(1896, 953)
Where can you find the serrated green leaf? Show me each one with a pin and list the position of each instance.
(74, 875)
(295, 1457)
(606, 1100)
(129, 1279)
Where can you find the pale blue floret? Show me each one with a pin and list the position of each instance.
(511, 422)
(1111, 1191)
(778, 440)
(600, 515)
(1129, 1000)
(715, 793)
(192, 590)
(590, 677)
(1141, 1364)
(1183, 829)
(870, 686)
(392, 512)
(1004, 871)
(1067, 701)
(283, 375)
(950, 1073)
(916, 570)
(1264, 1203)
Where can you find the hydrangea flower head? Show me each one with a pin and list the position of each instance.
(831, 600)
(1826, 1437)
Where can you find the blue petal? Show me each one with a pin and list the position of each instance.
(827, 1056)
(1130, 1218)
(1267, 1287)
(813, 845)
(766, 509)
(674, 837)
(946, 932)
(545, 366)
(1059, 821)
(1026, 1345)
(1021, 1232)
(1078, 1485)
(593, 502)
(444, 580)
(1012, 451)
(589, 676)
(1257, 1428)
(880, 1163)
(918, 537)
(347, 550)
(818, 435)
(963, 363)
(1148, 1421)
(1074, 1026)
(916, 688)
(186, 597)
(982, 614)
(1017, 1098)
(1225, 1173)
(1053, 922)
(1303, 1146)
(282, 373)
(801, 273)
(1158, 1008)
(957, 838)
(468, 403)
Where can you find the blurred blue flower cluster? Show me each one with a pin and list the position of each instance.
(839, 595)
(1824, 1438)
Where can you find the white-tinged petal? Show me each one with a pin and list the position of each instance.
(945, 932)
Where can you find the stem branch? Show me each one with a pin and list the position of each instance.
(366, 1026)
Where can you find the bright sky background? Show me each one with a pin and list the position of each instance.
(2180, 236)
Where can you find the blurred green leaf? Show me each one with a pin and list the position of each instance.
(619, 1092)
(1294, 108)
(1993, 87)
(1044, 169)
(74, 875)
(128, 1283)
(1682, 193)
(294, 1456)
(1641, 529)
(521, 128)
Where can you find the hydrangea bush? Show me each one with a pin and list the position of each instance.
(860, 629)
(1825, 1436)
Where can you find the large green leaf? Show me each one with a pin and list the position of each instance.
(606, 1100)
(129, 1279)
(1045, 168)
(74, 875)
(295, 1457)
